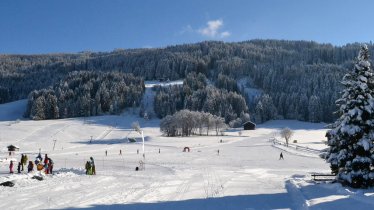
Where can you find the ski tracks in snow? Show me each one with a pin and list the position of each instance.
(213, 186)
(184, 187)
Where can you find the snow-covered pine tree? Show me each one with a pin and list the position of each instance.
(351, 153)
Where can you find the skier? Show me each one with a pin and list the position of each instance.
(159, 150)
(106, 153)
(217, 152)
(22, 161)
(88, 168)
(30, 167)
(50, 165)
(11, 167)
(37, 161)
(46, 159)
(46, 169)
(137, 151)
(39, 157)
(93, 166)
(19, 167)
(120, 152)
(281, 156)
(25, 159)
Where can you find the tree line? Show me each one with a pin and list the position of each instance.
(300, 77)
(84, 93)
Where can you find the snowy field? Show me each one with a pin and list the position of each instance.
(245, 175)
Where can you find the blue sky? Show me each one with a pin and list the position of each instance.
(44, 26)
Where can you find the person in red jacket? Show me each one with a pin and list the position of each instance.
(46, 161)
(11, 167)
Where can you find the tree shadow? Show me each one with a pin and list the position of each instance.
(112, 141)
(329, 195)
(123, 121)
(292, 124)
(239, 202)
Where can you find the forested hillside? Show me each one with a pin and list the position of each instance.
(84, 94)
(197, 95)
(301, 79)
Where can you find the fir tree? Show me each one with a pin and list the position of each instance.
(351, 152)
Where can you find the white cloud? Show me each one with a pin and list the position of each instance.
(225, 34)
(213, 29)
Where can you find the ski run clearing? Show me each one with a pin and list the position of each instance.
(246, 174)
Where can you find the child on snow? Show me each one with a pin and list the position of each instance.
(22, 161)
(50, 166)
(30, 167)
(88, 168)
(46, 168)
(46, 164)
(46, 159)
(19, 167)
(11, 167)
(39, 157)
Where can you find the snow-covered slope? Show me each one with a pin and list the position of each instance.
(245, 174)
(149, 94)
(252, 94)
(12, 111)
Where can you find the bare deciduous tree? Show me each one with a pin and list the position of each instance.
(136, 126)
(286, 133)
(186, 123)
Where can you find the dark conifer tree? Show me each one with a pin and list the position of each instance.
(351, 152)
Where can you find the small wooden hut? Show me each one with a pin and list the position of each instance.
(249, 125)
(12, 149)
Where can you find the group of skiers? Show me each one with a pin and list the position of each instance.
(47, 164)
(90, 167)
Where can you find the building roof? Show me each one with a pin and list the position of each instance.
(249, 122)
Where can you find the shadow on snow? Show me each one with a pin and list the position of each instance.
(112, 141)
(239, 202)
(334, 196)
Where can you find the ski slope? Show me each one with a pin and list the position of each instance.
(246, 174)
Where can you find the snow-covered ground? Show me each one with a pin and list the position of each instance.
(246, 174)
(311, 135)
